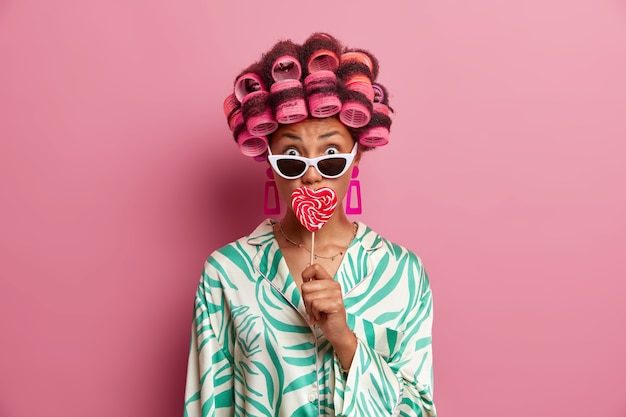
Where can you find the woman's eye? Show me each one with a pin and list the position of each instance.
(291, 152)
(331, 151)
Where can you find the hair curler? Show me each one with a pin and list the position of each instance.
(258, 114)
(250, 144)
(286, 67)
(321, 88)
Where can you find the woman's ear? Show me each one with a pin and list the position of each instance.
(357, 157)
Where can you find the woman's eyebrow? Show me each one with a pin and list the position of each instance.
(329, 134)
(290, 136)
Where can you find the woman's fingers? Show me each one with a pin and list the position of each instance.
(323, 301)
(315, 271)
(322, 297)
(325, 306)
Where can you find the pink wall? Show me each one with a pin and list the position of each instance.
(506, 174)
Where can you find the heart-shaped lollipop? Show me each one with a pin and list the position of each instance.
(313, 207)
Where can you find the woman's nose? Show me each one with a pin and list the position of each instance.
(311, 176)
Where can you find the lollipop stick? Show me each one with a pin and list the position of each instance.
(312, 247)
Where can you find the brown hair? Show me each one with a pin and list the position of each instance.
(352, 81)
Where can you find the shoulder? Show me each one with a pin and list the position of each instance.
(229, 265)
(245, 245)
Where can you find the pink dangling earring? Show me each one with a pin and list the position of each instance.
(271, 204)
(354, 187)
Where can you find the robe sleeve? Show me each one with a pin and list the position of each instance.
(391, 373)
(209, 387)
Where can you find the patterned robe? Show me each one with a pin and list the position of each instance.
(253, 354)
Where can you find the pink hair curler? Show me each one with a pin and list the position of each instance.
(357, 56)
(291, 109)
(230, 104)
(320, 79)
(381, 108)
(261, 158)
(246, 84)
(286, 67)
(232, 110)
(376, 136)
(259, 122)
(235, 119)
(250, 144)
(322, 60)
(362, 84)
(354, 114)
(322, 103)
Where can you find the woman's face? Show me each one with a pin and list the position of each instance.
(312, 138)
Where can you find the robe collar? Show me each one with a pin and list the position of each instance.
(268, 260)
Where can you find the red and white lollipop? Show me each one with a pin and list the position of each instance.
(313, 208)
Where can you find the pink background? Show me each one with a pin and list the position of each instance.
(506, 174)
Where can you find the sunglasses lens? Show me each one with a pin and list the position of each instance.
(291, 167)
(332, 166)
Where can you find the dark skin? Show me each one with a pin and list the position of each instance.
(321, 294)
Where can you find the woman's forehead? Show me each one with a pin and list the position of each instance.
(313, 129)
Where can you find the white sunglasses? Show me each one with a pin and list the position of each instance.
(291, 167)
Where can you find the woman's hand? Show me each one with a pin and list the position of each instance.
(324, 304)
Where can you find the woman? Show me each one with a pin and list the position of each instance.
(349, 334)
